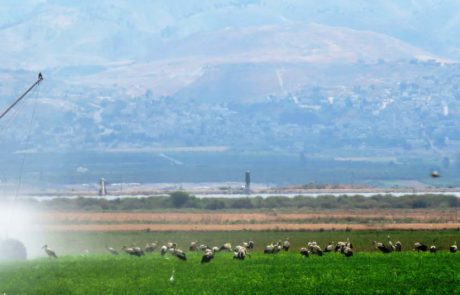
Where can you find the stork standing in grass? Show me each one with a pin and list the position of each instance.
(391, 246)
(420, 247)
(249, 245)
(433, 248)
(163, 250)
(171, 245)
(278, 247)
(338, 246)
(134, 251)
(315, 248)
(150, 247)
(304, 252)
(347, 251)
(330, 247)
(193, 246)
(179, 254)
(111, 250)
(226, 247)
(349, 244)
(286, 245)
(139, 251)
(345, 248)
(207, 256)
(269, 249)
(382, 247)
(49, 252)
(240, 254)
(273, 248)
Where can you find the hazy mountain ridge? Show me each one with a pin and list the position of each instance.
(257, 75)
(184, 62)
(87, 31)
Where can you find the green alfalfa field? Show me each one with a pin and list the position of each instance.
(367, 272)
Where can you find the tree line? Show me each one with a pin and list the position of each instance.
(184, 200)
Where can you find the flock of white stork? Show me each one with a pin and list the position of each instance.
(418, 246)
(241, 251)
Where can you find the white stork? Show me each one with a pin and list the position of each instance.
(49, 252)
(111, 250)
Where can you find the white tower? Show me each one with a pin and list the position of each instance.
(247, 180)
(102, 187)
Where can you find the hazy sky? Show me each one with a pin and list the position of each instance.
(94, 32)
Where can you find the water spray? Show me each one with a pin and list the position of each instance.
(10, 248)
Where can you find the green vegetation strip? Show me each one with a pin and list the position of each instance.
(177, 200)
(284, 273)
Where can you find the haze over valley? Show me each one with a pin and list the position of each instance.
(314, 89)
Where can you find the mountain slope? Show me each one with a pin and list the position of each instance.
(263, 75)
(55, 33)
(180, 65)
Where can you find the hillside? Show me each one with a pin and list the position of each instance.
(312, 78)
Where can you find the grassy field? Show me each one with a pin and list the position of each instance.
(79, 242)
(284, 273)
(84, 266)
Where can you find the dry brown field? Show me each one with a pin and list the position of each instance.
(257, 221)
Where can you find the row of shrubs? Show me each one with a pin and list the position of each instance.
(176, 200)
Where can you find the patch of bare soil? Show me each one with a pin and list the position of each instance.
(420, 215)
(252, 227)
(321, 220)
